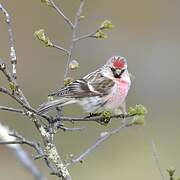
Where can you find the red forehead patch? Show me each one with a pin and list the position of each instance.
(118, 62)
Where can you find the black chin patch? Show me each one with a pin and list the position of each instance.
(117, 75)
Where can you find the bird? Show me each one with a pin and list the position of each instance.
(104, 89)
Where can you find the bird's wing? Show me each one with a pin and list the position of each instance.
(94, 84)
(99, 83)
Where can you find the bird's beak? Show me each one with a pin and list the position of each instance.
(119, 72)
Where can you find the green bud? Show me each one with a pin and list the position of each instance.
(140, 109)
(171, 171)
(81, 17)
(40, 34)
(46, 2)
(137, 110)
(2, 66)
(139, 120)
(67, 81)
(131, 111)
(12, 86)
(71, 155)
(73, 65)
(50, 98)
(106, 117)
(100, 35)
(106, 25)
(48, 43)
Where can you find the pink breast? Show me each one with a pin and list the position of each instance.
(119, 94)
(123, 88)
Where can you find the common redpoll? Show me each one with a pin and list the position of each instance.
(102, 90)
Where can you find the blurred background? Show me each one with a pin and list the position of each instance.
(147, 34)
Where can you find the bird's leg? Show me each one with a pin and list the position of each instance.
(93, 115)
(124, 113)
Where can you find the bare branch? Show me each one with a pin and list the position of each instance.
(68, 21)
(76, 21)
(15, 142)
(59, 125)
(21, 140)
(90, 35)
(157, 160)
(20, 153)
(4, 108)
(28, 163)
(71, 129)
(98, 118)
(53, 159)
(103, 136)
(11, 41)
(37, 146)
(13, 82)
(29, 109)
(60, 48)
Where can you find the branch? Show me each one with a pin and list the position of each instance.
(28, 163)
(98, 118)
(68, 21)
(157, 160)
(60, 48)
(14, 85)
(53, 159)
(30, 111)
(103, 136)
(90, 35)
(99, 33)
(20, 153)
(76, 21)
(11, 41)
(33, 144)
(4, 108)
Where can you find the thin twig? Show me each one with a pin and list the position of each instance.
(157, 160)
(103, 136)
(98, 119)
(28, 163)
(60, 48)
(11, 41)
(36, 146)
(21, 140)
(68, 21)
(71, 129)
(16, 142)
(14, 83)
(28, 108)
(90, 35)
(76, 21)
(4, 108)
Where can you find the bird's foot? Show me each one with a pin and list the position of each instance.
(93, 115)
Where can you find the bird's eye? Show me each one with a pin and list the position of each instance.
(122, 71)
(113, 69)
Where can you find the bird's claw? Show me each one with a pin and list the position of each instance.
(93, 115)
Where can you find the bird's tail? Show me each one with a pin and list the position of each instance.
(45, 107)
